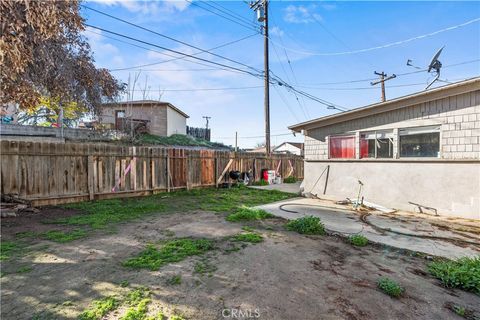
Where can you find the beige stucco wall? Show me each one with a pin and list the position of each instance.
(453, 188)
(176, 123)
(459, 117)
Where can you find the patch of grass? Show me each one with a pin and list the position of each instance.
(247, 228)
(124, 283)
(390, 287)
(63, 237)
(248, 237)
(260, 182)
(463, 273)
(358, 240)
(138, 301)
(171, 251)
(248, 214)
(25, 234)
(307, 225)
(175, 280)
(7, 249)
(24, 269)
(204, 267)
(102, 213)
(99, 308)
(290, 179)
(177, 317)
(159, 316)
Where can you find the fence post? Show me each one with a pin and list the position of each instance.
(167, 171)
(215, 174)
(90, 177)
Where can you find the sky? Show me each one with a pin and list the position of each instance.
(328, 49)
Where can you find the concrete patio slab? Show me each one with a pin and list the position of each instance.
(340, 219)
(285, 187)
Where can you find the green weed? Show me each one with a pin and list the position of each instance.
(177, 317)
(290, 179)
(204, 267)
(24, 269)
(99, 308)
(248, 214)
(138, 301)
(171, 251)
(358, 240)
(25, 234)
(463, 273)
(63, 237)
(175, 280)
(124, 283)
(390, 287)
(7, 249)
(159, 316)
(260, 182)
(248, 237)
(306, 225)
(247, 228)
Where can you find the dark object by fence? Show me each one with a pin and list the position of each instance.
(200, 133)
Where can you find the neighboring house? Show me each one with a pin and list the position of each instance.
(421, 149)
(160, 118)
(290, 147)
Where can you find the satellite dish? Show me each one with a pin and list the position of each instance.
(435, 66)
(435, 63)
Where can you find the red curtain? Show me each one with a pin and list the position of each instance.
(342, 147)
(363, 148)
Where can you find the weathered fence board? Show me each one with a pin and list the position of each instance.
(53, 173)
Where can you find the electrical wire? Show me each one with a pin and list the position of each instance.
(235, 16)
(382, 46)
(198, 89)
(169, 38)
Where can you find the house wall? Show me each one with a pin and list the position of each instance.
(451, 187)
(459, 117)
(156, 114)
(450, 183)
(176, 123)
(289, 148)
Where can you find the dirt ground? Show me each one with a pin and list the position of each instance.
(287, 276)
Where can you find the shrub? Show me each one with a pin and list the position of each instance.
(307, 225)
(390, 287)
(247, 213)
(290, 179)
(463, 273)
(358, 240)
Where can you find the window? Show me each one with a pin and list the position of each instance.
(420, 142)
(342, 147)
(120, 113)
(376, 144)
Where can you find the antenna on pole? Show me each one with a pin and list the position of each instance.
(383, 77)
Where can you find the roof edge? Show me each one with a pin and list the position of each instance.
(471, 84)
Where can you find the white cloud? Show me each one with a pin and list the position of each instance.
(301, 14)
(146, 7)
(276, 31)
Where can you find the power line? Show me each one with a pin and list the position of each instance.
(233, 12)
(235, 16)
(223, 16)
(168, 37)
(199, 89)
(174, 51)
(382, 46)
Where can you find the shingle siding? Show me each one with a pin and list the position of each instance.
(459, 117)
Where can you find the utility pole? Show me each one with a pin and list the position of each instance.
(383, 78)
(206, 118)
(261, 7)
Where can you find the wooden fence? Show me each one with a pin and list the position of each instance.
(53, 173)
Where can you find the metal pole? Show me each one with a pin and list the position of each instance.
(236, 141)
(267, 82)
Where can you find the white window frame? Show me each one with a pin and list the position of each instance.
(385, 134)
(419, 130)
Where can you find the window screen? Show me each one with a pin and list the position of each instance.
(342, 147)
(420, 142)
